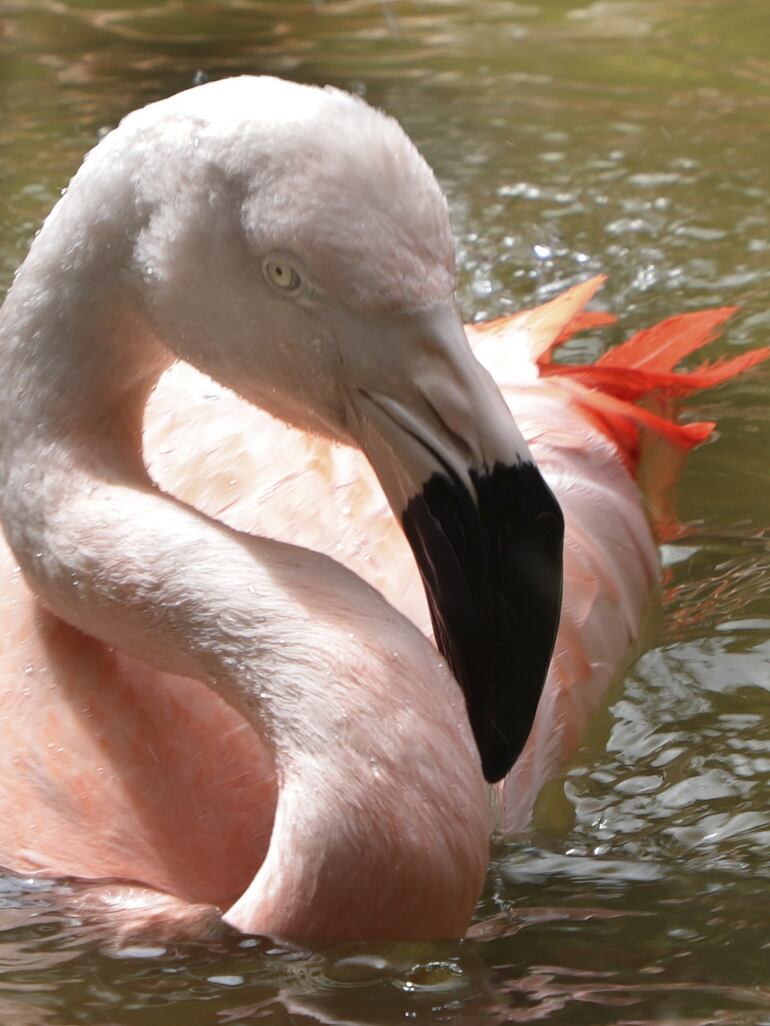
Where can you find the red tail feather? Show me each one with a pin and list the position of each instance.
(634, 383)
(643, 367)
(609, 391)
(663, 346)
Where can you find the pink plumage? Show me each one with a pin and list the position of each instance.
(111, 769)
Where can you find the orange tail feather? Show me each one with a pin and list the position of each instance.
(642, 367)
(633, 383)
(663, 346)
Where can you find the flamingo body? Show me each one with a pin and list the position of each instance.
(311, 771)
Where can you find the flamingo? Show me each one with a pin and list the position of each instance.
(219, 703)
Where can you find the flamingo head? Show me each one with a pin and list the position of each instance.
(313, 272)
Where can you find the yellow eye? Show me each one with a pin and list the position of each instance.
(282, 275)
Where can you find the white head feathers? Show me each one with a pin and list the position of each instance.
(348, 194)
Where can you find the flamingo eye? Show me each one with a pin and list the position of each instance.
(281, 274)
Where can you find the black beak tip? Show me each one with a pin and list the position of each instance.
(497, 759)
(491, 563)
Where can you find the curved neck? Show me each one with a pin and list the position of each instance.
(363, 741)
(98, 542)
(78, 359)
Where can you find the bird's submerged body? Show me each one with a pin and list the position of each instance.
(354, 806)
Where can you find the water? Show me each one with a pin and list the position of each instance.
(628, 137)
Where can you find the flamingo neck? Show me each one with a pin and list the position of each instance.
(381, 826)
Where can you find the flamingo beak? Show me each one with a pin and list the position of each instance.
(484, 527)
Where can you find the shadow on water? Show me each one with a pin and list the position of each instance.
(572, 137)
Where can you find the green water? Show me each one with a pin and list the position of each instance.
(621, 136)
